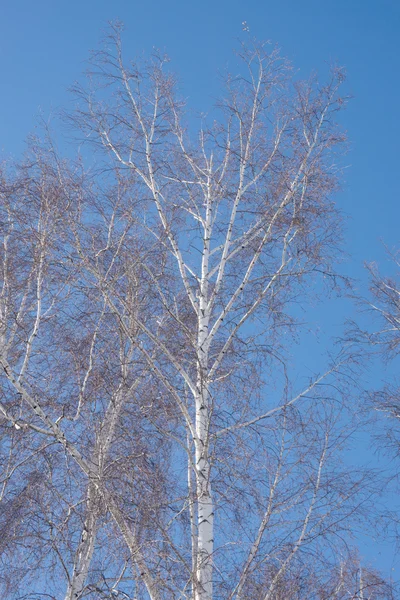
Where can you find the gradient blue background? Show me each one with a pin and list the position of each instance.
(44, 45)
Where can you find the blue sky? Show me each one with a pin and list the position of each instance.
(44, 45)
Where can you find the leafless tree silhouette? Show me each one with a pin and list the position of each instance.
(154, 444)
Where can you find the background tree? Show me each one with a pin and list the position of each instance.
(156, 444)
(75, 375)
(383, 336)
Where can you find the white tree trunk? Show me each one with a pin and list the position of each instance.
(84, 554)
(205, 508)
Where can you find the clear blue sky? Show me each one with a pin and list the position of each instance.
(44, 45)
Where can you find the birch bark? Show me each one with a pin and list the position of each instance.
(205, 508)
(84, 552)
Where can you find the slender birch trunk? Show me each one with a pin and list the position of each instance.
(205, 509)
(84, 553)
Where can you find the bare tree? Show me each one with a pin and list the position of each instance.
(146, 311)
(378, 333)
(73, 369)
(386, 306)
(382, 335)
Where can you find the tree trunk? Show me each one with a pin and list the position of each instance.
(205, 511)
(205, 508)
(85, 550)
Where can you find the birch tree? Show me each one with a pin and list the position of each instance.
(382, 336)
(71, 379)
(147, 312)
(246, 216)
